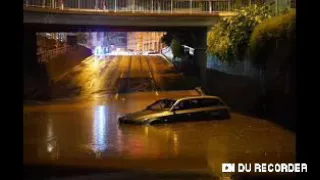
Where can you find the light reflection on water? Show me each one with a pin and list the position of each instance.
(80, 129)
(175, 144)
(96, 130)
(51, 141)
(49, 135)
(148, 142)
(100, 128)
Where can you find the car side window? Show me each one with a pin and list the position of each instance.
(180, 106)
(194, 103)
(157, 105)
(210, 102)
(187, 104)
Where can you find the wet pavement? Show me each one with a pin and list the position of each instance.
(119, 74)
(84, 131)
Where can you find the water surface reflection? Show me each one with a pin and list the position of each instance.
(100, 128)
(93, 132)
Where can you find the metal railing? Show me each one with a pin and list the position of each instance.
(145, 6)
(44, 57)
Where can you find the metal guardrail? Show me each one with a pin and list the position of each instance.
(44, 57)
(146, 6)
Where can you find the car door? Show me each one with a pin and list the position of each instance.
(182, 111)
(212, 108)
(196, 111)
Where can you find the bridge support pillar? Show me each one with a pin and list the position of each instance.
(35, 75)
(200, 55)
(29, 50)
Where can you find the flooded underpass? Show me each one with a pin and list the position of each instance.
(85, 132)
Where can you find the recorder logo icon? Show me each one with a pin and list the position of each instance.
(228, 167)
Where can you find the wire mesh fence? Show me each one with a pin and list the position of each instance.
(149, 6)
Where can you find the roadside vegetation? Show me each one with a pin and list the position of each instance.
(265, 40)
(257, 36)
(269, 43)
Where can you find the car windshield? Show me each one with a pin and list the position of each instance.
(163, 104)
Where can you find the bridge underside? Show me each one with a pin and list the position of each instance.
(65, 21)
(39, 27)
(69, 20)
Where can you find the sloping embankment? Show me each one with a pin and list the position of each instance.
(64, 63)
(36, 84)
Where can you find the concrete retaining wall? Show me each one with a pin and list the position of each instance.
(38, 77)
(58, 66)
(244, 68)
(239, 92)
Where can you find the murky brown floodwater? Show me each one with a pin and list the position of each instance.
(88, 129)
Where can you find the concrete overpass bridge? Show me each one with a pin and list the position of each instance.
(192, 16)
(132, 14)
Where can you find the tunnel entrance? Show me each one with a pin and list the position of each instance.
(82, 64)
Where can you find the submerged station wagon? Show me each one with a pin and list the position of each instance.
(177, 110)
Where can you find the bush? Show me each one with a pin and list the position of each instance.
(266, 36)
(219, 42)
(229, 39)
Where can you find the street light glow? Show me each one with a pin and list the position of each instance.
(101, 51)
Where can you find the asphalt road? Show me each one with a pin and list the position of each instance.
(84, 131)
(120, 74)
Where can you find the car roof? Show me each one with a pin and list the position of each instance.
(191, 97)
(199, 97)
